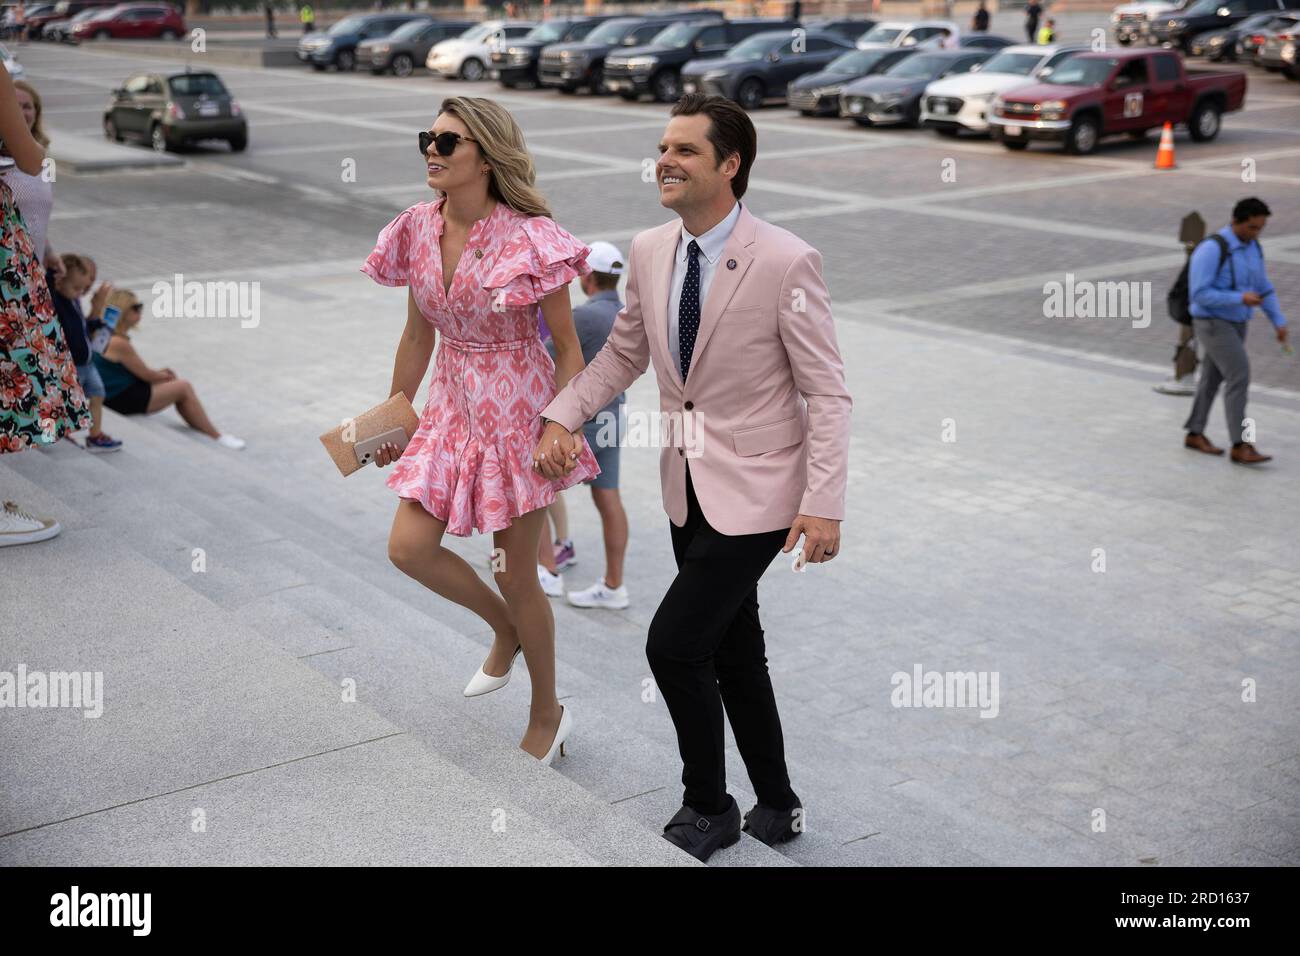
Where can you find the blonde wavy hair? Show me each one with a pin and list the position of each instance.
(38, 127)
(123, 299)
(513, 176)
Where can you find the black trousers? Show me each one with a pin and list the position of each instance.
(706, 651)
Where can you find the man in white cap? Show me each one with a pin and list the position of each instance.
(593, 320)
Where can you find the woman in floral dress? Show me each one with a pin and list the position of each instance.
(40, 399)
(479, 260)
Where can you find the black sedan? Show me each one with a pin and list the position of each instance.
(169, 112)
(408, 46)
(1224, 44)
(894, 97)
(984, 41)
(818, 94)
(763, 66)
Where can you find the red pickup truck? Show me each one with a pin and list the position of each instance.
(1091, 95)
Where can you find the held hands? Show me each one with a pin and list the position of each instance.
(821, 538)
(556, 453)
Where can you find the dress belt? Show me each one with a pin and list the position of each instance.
(488, 346)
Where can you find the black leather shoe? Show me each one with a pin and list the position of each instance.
(774, 826)
(699, 834)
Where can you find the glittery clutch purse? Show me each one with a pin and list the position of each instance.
(353, 444)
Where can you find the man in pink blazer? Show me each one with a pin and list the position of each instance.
(735, 317)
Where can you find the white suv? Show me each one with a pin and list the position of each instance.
(932, 34)
(469, 54)
(961, 102)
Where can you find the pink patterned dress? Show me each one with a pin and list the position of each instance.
(470, 461)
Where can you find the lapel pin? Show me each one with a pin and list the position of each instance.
(478, 253)
(731, 263)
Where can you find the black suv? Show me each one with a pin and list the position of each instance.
(656, 68)
(1177, 28)
(516, 61)
(762, 66)
(337, 46)
(851, 28)
(571, 66)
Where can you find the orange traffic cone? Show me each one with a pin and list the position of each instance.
(1165, 155)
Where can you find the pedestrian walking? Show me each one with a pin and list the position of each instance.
(1226, 283)
(980, 21)
(270, 22)
(1033, 11)
(307, 17)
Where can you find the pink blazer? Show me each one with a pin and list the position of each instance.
(764, 416)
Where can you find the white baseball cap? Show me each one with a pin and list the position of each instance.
(605, 257)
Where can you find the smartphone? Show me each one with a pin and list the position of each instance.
(111, 314)
(365, 450)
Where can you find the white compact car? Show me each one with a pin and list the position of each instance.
(961, 102)
(935, 34)
(1127, 18)
(468, 55)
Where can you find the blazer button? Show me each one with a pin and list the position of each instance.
(689, 406)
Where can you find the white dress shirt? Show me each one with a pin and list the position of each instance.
(711, 244)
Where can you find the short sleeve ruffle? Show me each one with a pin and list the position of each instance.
(538, 258)
(389, 263)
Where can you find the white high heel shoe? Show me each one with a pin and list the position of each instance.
(561, 734)
(484, 683)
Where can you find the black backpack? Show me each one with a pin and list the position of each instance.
(1179, 297)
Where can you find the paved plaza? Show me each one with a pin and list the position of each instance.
(1020, 506)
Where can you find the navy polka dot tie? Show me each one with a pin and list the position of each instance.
(688, 309)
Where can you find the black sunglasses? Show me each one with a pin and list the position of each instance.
(445, 142)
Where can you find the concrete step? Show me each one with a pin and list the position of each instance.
(315, 619)
(303, 587)
(201, 719)
(285, 584)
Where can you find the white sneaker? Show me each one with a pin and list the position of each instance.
(230, 441)
(552, 584)
(1175, 386)
(601, 595)
(19, 527)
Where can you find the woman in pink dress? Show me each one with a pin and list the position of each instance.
(478, 260)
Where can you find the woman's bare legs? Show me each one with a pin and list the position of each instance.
(613, 520)
(559, 514)
(531, 612)
(546, 550)
(415, 547)
(180, 392)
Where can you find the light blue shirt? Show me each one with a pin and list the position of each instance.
(711, 244)
(1213, 295)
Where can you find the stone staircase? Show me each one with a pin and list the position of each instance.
(223, 689)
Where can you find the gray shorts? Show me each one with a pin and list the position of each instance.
(91, 383)
(606, 452)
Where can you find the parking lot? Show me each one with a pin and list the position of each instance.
(961, 233)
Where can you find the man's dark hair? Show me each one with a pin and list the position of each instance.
(1249, 209)
(730, 131)
(606, 280)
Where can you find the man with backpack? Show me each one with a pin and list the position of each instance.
(1225, 282)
